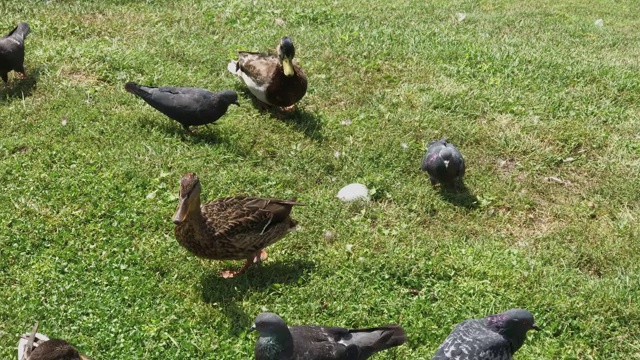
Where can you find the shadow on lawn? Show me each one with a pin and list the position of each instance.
(229, 292)
(459, 196)
(300, 119)
(19, 88)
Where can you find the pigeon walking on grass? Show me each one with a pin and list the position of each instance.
(188, 106)
(277, 341)
(496, 337)
(12, 51)
(444, 163)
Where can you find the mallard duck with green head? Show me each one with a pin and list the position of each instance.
(230, 228)
(274, 79)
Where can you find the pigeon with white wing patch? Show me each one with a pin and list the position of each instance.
(278, 341)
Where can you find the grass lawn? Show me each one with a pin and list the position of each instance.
(527, 90)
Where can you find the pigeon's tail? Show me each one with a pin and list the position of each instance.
(135, 89)
(377, 339)
(20, 32)
(233, 67)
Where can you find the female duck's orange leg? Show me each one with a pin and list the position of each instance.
(258, 258)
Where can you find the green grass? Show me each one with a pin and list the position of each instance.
(87, 245)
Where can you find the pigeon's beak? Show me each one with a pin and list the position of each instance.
(253, 327)
(535, 327)
(446, 164)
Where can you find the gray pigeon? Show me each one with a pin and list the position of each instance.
(443, 162)
(496, 337)
(277, 341)
(12, 51)
(188, 106)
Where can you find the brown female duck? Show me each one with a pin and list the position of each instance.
(274, 79)
(36, 346)
(230, 228)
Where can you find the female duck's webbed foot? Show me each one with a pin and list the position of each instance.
(258, 258)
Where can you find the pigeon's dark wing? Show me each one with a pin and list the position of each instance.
(321, 343)
(188, 106)
(472, 340)
(370, 341)
(458, 161)
(181, 103)
(334, 343)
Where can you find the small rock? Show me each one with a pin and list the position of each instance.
(279, 22)
(329, 235)
(404, 145)
(345, 122)
(557, 180)
(354, 192)
(599, 23)
(336, 154)
(349, 247)
(64, 121)
(460, 16)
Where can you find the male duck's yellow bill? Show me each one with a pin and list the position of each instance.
(287, 67)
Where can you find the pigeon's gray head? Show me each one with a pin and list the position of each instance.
(447, 155)
(513, 325)
(275, 341)
(286, 53)
(229, 97)
(269, 324)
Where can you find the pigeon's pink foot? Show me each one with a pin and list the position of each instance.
(22, 75)
(289, 108)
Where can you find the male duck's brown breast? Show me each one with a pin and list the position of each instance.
(286, 91)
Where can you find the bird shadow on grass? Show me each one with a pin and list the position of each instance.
(228, 293)
(21, 88)
(301, 120)
(459, 195)
(305, 122)
(206, 135)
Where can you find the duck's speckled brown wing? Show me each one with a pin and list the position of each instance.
(247, 215)
(258, 66)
